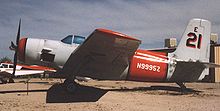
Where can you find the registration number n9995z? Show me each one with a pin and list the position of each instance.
(148, 67)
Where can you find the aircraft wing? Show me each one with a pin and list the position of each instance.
(27, 72)
(104, 55)
(8, 73)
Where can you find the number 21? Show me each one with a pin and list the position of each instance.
(191, 41)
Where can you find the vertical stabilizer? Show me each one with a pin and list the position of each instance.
(195, 42)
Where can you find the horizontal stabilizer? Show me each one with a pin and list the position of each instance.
(187, 71)
(211, 65)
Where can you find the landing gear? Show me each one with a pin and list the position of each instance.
(11, 80)
(182, 86)
(70, 85)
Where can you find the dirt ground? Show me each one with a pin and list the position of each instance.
(44, 95)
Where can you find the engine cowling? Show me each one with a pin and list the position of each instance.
(37, 51)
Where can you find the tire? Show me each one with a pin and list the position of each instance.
(11, 80)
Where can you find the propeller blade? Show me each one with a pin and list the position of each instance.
(18, 34)
(13, 46)
(15, 63)
(16, 47)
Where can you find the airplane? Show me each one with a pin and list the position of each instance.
(110, 55)
(6, 70)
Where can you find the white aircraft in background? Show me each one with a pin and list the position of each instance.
(6, 70)
(109, 55)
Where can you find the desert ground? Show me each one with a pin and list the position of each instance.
(48, 94)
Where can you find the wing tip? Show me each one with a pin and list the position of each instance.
(117, 33)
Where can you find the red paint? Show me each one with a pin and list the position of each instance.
(21, 49)
(32, 67)
(117, 33)
(36, 67)
(148, 66)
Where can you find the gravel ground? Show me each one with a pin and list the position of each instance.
(46, 95)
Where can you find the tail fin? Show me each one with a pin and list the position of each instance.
(195, 42)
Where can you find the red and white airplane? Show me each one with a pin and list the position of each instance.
(109, 55)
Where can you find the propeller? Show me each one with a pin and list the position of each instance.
(15, 48)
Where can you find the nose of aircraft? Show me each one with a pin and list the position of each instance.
(21, 49)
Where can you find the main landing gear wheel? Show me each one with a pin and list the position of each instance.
(70, 85)
(11, 80)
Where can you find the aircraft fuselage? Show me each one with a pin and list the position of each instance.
(144, 66)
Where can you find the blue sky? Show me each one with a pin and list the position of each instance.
(149, 20)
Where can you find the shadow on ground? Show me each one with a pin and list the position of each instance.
(58, 94)
(160, 90)
(152, 88)
(21, 91)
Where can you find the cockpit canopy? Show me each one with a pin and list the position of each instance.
(70, 39)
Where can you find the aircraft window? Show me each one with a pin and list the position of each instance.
(78, 39)
(5, 65)
(67, 39)
(11, 66)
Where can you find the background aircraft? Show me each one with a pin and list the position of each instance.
(6, 70)
(109, 55)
